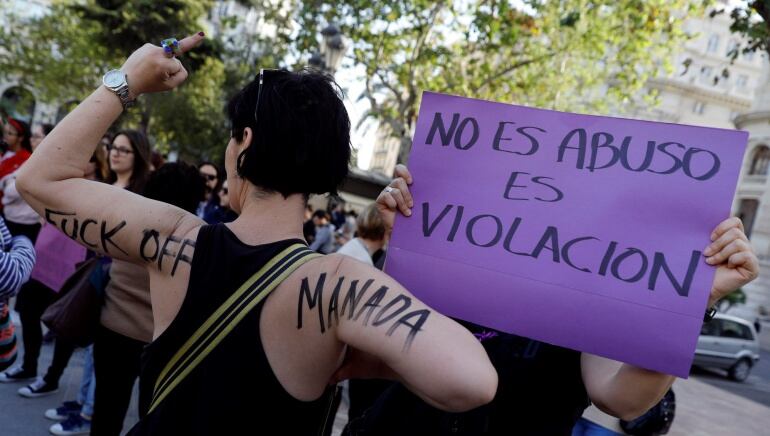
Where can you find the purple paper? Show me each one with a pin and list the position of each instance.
(580, 231)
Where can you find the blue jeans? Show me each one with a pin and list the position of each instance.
(88, 384)
(585, 427)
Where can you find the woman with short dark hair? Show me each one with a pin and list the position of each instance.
(249, 324)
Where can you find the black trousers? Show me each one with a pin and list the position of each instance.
(34, 298)
(116, 362)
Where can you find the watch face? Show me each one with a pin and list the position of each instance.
(114, 78)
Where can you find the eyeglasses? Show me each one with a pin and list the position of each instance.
(120, 150)
(209, 177)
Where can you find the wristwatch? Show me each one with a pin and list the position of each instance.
(117, 82)
(710, 312)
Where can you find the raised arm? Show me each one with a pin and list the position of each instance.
(103, 218)
(625, 391)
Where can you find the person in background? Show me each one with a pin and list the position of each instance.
(76, 415)
(126, 320)
(17, 257)
(124, 326)
(371, 238)
(224, 214)
(39, 132)
(57, 258)
(324, 233)
(337, 216)
(212, 175)
(20, 218)
(308, 228)
(129, 159)
(16, 135)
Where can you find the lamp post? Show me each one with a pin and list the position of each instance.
(332, 50)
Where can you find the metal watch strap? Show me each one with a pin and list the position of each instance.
(122, 94)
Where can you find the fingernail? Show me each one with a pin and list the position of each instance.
(201, 34)
(707, 251)
(411, 204)
(713, 236)
(710, 260)
(409, 212)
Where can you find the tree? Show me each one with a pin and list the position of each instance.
(750, 19)
(581, 55)
(63, 53)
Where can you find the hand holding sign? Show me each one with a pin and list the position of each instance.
(581, 231)
(731, 253)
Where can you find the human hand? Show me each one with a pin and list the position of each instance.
(733, 256)
(396, 196)
(149, 69)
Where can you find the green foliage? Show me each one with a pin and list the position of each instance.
(732, 299)
(63, 54)
(558, 54)
(750, 19)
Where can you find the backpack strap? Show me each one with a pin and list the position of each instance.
(227, 317)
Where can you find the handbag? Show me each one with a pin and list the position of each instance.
(74, 317)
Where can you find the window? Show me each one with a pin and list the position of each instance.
(749, 56)
(707, 75)
(760, 161)
(713, 44)
(732, 47)
(742, 81)
(699, 107)
(710, 328)
(732, 329)
(747, 212)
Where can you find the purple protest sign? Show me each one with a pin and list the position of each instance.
(580, 231)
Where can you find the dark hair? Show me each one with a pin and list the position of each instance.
(141, 170)
(320, 213)
(47, 128)
(24, 132)
(102, 167)
(301, 141)
(220, 174)
(176, 183)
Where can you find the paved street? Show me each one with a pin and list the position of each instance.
(708, 404)
(755, 388)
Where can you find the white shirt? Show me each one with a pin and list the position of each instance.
(15, 209)
(356, 249)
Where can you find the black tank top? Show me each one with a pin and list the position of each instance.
(540, 393)
(234, 390)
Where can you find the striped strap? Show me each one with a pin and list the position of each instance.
(227, 316)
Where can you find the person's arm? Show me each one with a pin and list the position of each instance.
(15, 264)
(104, 218)
(626, 391)
(401, 337)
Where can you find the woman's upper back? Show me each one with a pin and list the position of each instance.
(236, 385)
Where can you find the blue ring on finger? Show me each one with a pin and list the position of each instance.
(171, 46)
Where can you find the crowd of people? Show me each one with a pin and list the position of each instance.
(239, 307)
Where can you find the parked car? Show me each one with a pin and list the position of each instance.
(730, 343)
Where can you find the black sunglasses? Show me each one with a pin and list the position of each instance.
(263, 73)
(209, 177)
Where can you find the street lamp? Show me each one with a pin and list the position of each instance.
(332, 50)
